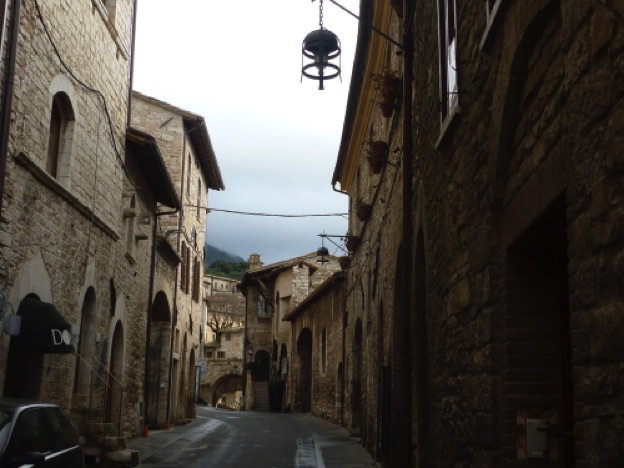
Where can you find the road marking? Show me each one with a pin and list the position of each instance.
(306, 454)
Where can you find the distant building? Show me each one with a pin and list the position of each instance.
(224, 318)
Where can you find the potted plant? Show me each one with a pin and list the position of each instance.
(276, 390)
(363, 211)
(389, 92)
(344, 262)
(352, 242)
(378, 156)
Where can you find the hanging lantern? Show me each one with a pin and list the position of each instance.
(321, 47)
(322, 252)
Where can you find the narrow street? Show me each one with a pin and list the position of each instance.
(219, 438)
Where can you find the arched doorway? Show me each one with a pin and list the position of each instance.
(339, 393)
(115, 376)
(303, 400)
(24, 367)
(182, 385)
(86, 344)
(158, 359)
(263, 366)
(191, 395)
(356, 381)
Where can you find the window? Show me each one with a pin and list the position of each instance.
(60, 137)
(228, 336)
(199, 197)
(110, 9)
(262, 307)
(130, 216)
(209, 354)
(196, 280)
(220, 354)
(188, 175)
(183, 269)
(447, 25)
(188, 270)
(324, 351)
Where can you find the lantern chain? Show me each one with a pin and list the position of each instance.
(321, 14)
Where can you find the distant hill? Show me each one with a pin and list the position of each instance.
(213, 254)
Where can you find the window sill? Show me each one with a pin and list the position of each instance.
(489, 29)
(447, 125)
(45, 179)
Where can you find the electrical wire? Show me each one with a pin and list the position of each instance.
(250, 213)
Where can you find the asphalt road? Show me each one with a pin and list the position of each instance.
(222, 438)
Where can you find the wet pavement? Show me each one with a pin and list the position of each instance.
(224, 438)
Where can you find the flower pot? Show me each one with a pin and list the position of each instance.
(386, 109)
(352, 243)
(363, 212)
(344, 262)
(389, 93)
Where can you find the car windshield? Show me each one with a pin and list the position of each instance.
(5, 426)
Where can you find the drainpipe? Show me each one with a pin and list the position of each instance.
(408, 173)
(174, 321)
(131, 80)
(7, 99)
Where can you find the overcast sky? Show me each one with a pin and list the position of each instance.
(238, 64)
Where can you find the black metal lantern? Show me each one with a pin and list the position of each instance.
(322, 252)
(320, 46)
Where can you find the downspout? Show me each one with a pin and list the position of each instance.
(7, 100)
(408, 173)
(148, 333)
(174, 321)
(132, 47)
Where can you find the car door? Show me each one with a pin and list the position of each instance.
(28, 442)
(65, 449)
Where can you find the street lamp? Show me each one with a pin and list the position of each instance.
(321, 47)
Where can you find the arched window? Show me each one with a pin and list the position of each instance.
(60, 138)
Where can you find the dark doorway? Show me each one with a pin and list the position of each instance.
(263, 368)
(537, 338)
(115, 376)
(356, 381)
(304, 377)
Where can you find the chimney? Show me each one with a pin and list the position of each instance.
(254, 261)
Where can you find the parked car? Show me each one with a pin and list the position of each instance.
(34, 434)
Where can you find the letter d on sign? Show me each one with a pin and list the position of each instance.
(57, 337)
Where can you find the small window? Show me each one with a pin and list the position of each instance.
(228, 336)
(221, 354)
(262, 307)
(188, 175)
(199, 198)
(447, 28)
(209, 354)
(183, 269)
(60, 137)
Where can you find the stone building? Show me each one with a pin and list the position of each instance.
(177, 326)
(271, 292)
(87, 199)
(78, 209)
(224, 341)
(486, 284)
(318, 356)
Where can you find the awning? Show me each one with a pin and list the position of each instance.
(43, 328)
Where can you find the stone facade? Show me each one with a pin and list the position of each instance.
(484, 287)
(185, 144)
(82, 229)
(271, 292)
(317, 360)
(224, 341)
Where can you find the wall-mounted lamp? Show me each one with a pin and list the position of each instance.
(321, 47)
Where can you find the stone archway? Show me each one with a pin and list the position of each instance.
(114, 397)
(158, 361)
(86, 344)
(303, 397)
(229, 385)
